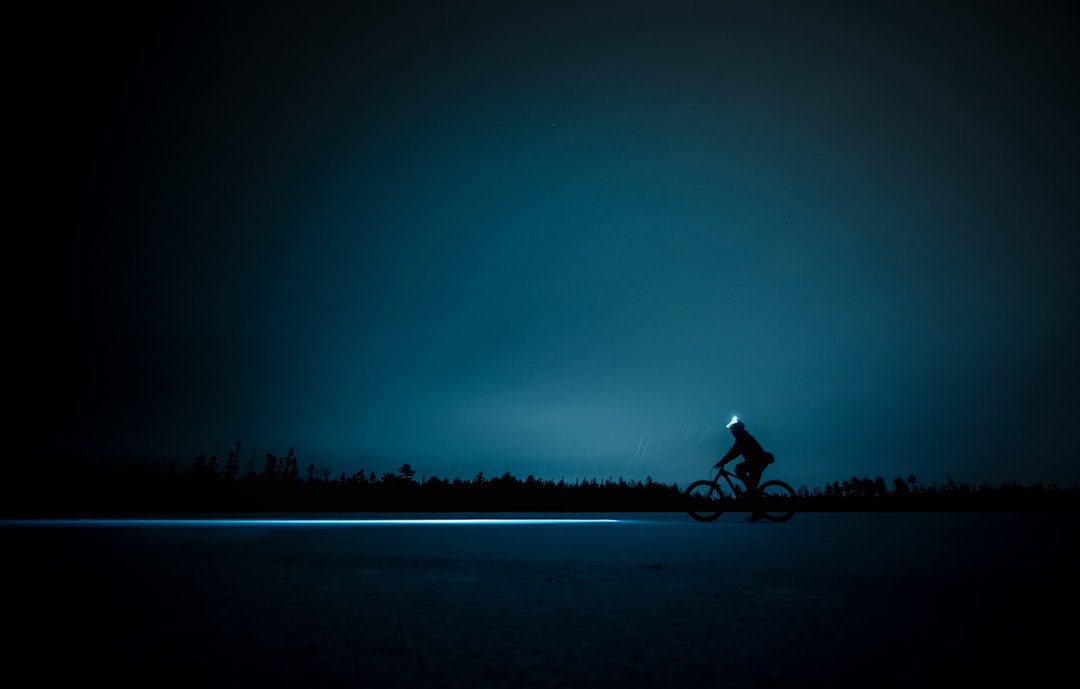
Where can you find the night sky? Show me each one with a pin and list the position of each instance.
(567, 239)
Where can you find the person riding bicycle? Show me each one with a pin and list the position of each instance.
(755, 459)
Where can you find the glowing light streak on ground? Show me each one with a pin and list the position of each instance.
(299, 522)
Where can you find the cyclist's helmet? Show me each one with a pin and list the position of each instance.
(735, 424)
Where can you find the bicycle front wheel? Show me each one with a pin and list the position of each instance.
(705, 501)
(778, 501)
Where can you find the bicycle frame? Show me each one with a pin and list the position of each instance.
(738, 486)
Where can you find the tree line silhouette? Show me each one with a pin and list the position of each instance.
(280, 484)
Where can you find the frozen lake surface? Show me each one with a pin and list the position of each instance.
(644, 600)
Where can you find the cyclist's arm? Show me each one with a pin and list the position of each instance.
(731, 454)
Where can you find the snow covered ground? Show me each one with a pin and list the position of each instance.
(648, 600)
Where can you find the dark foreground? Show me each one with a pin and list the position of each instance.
(827, 599)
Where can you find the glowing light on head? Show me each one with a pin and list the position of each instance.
(734, 420)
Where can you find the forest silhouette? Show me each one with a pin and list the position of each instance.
(51, 486)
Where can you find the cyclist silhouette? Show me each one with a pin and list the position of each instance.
(755, 459)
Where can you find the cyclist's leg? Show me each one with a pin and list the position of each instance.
(750, 474)
(742, 470)
(752, 479)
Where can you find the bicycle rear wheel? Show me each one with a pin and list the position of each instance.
(777, 501)
(705, 500)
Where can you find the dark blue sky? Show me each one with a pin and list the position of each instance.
(566, 239)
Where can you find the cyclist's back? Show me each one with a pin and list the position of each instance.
(746, 446)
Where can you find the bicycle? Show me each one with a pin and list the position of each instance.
(709, 498)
